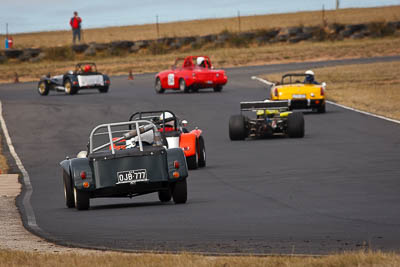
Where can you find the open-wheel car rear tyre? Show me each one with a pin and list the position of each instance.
(158, 86)
(202, 152)
(68, 191)
(69, 88)
(182, 86)
(295, 125)
(164, 195)
(179, 193)
(82, 199)
(237, 127)
(43, 88)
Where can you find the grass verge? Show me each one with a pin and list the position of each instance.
(373, 88)
(9, 258)
(221, 57)
(209, 26)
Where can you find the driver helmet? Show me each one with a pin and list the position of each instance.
(200, 60)
(309, 72)
(309, 76)
(87, 68)
(167, 116)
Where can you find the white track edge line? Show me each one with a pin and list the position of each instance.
(364, 112)
(27, 183)
(342, 106)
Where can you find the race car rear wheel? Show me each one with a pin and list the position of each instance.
(182, 86)
(179, 193)
(158, 86)
(295, 125)
(43, 88)
(69, 88)
(202, 152)
(321, 109)
(218, 88)
(81, 199)
(237, 127)
(103, 89)
(193, 161)
(164, 195)
(68, 192)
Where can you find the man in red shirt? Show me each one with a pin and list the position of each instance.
(75, 23)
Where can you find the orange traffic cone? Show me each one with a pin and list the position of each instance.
(16, 79)
(130, 76)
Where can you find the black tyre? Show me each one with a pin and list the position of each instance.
(69, 88)
(103, 89)
(202, 152)
(81, 199)
(68, 191)
(218, 88)
(158, 86)
(321, 109)
(43, 88)
(179, 194)
(193, 161)
(237, 127)
(164, 195)
(295, 125)
(182, 86)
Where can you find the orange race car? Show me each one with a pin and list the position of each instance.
(174, 134)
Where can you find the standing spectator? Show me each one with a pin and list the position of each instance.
(75, 23)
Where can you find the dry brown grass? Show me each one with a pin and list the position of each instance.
(8, 258)
(221, 57)
(370, 87)
(209, 26)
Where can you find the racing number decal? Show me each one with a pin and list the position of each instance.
(171, 79)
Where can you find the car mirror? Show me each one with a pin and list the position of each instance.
(323, 85)
(184, 123)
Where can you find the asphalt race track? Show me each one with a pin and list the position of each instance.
(336, 189)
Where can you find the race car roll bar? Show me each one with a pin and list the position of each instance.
(127, 134)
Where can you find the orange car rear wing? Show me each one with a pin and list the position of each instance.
(263, 105)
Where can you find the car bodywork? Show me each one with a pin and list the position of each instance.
(177, 136)
(270, 118)
(186, 75)
(299, 94)
(73, 81)
(109, 170)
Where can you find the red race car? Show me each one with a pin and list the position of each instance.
(175, 135)
(191, 74)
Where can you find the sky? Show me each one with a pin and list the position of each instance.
(46, 15)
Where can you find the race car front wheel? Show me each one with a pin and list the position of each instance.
(43, 88)
(158, 86)
(237, 127)
(69, 88)
(182, 86)
(295, 125)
